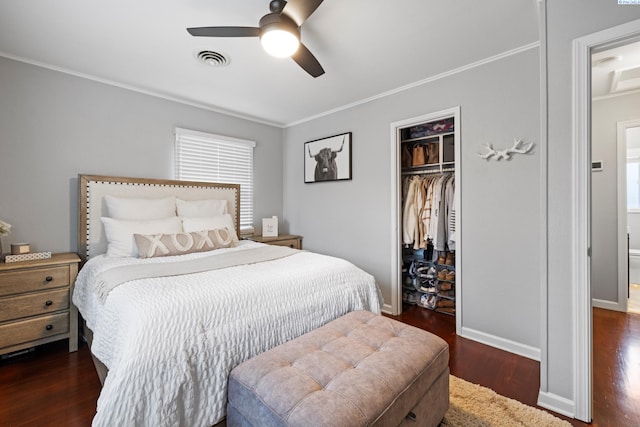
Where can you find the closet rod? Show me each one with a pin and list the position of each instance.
(432, 172)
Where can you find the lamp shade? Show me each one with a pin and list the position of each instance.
(279, 35)
(279, 43)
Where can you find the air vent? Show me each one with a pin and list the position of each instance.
(214, 59)
(627, 79)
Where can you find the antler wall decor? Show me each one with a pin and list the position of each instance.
(507, 152)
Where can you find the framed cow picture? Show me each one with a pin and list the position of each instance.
(328, 159)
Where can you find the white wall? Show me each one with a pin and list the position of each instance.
(54, 126)
(605, 114)
(499, 201)
(566, 20)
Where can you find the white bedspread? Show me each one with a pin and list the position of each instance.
(170, 343)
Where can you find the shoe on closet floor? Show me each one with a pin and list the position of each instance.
(450, 276)
(450, 258)
(412, 298)
(429, 288)
(445, 286)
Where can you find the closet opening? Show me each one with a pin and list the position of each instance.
(426, 240)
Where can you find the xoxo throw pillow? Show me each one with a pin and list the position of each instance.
(156, 245)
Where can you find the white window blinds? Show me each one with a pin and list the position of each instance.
(206, 157)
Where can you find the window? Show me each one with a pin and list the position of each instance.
(206, 157)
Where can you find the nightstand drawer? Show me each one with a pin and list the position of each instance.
(33, 304)
(291, 240)
(292, 243)
(33, 329)
(34, 279)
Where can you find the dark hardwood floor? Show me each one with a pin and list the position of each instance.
(616, 368)
(51, 387)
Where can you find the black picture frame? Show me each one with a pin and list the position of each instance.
(328, 159)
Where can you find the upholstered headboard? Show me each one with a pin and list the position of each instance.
(91, 236)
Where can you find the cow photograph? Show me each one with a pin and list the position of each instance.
(328, 159)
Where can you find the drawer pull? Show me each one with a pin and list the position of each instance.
(48, 327)
(48, 303)
(48, 278)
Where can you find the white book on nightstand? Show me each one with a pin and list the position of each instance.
(270, 227)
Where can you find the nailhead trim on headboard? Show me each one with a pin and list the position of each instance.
(88, 243)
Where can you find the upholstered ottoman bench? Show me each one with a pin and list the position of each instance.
(362, 369)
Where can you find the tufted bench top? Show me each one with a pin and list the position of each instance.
(359, 370)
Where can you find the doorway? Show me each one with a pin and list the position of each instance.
(615, 179)
(581, 196)
(629, 212)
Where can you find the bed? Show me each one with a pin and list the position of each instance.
(165, 331)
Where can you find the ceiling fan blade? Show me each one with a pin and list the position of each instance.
(300, 10)
(224, 31)
(307, 61)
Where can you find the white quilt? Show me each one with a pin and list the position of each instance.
(170, 342)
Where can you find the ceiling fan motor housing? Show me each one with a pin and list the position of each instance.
(278, 21)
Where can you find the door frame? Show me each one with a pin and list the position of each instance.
(396, 208)
(581, 218)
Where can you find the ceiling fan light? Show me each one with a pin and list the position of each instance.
(279, 43)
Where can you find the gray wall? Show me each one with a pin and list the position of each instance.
(604, 209)
(499, 200)
(633, 223)
(566, 20)
(54, 126)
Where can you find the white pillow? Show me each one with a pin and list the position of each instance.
(138, 209)
(210, 223)
(201, 208)
(120, 240)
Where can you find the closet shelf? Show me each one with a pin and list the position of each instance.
(452, 298)
(423, 138)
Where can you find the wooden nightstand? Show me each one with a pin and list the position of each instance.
(35, 302)
(290, 240)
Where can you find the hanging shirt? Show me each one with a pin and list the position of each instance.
(418, 238)
(450, 197)
(426, 212)
(436, 213)
(408, 213)
(440, 240)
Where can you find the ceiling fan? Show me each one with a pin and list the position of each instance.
(279, 32)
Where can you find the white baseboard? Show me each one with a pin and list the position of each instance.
(387, 309)
(608, 305)
(558, 404)
(501, 343)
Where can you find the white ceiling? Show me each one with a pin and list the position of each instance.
(615, 71)
(367, 48)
